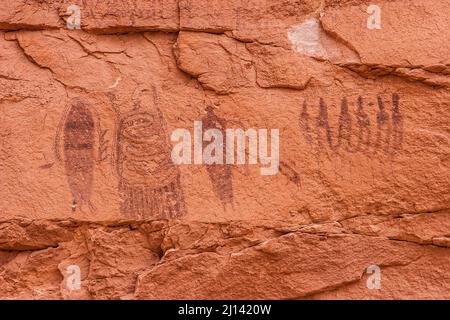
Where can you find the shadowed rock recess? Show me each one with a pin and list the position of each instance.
(89, 190)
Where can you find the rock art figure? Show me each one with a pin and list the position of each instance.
(397, 123)
(149, 183)
(363, 124)
(220, 175)
(389, 127)
(290, 173)
(304, 123)
(384, 126)
(79, 133)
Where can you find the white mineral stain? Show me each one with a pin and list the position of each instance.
(115, 83)
(306, 38)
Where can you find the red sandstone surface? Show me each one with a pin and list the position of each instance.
(361, 102)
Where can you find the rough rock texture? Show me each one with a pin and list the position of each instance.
(86, 177)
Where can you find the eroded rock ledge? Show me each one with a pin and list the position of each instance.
(235, 260)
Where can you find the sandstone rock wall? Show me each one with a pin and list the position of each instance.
(361, 105)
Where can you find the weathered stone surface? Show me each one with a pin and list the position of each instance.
(405, 30)
(208, 16)
(87, 181)
(29, 14)
(97, 16)
(218, 62)
(392, 49)
(231, 260)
